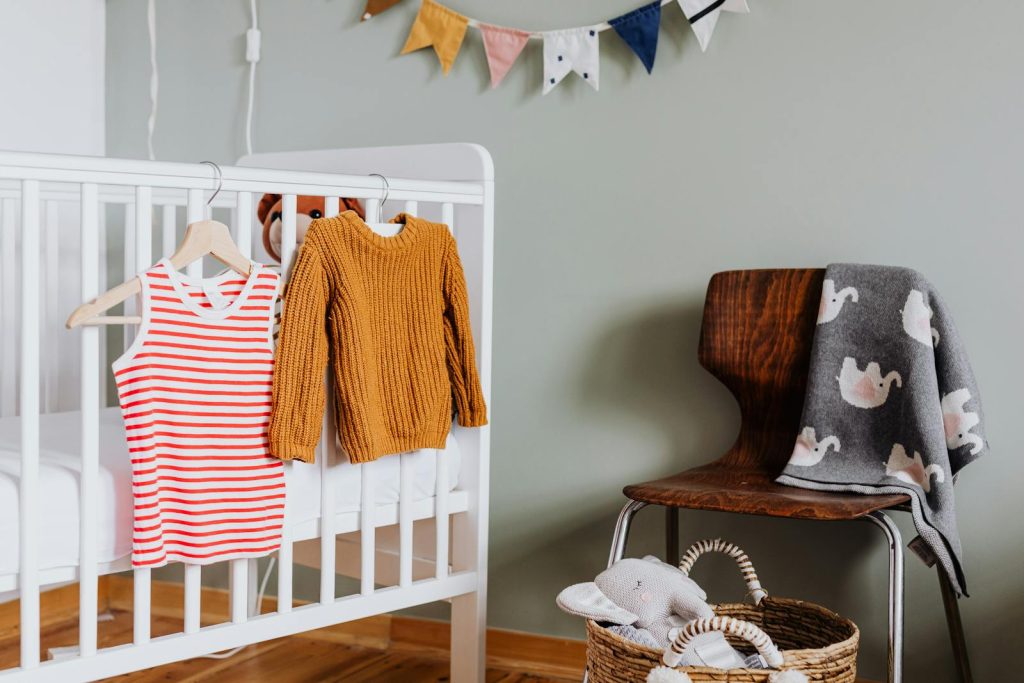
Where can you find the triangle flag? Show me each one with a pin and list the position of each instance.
(375, 7)
(503, 46)
(639, 29)
(440, 27)
(703, 16)
(571, 49)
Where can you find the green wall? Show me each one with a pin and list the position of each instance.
(809, 132)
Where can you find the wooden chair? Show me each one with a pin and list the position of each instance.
(756, 339)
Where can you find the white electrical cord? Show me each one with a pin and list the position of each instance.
(153, 80)
(252, 55)
(259, 608)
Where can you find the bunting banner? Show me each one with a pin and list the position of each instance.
(440, 27)
(703, 16)
(375, 7)
(639, 29)
(572, 49)
(502, 46)
(565, 50)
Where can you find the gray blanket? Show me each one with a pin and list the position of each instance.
(891, 404)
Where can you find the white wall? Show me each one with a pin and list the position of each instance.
(52, 61)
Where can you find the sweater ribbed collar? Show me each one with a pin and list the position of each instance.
(403, 239)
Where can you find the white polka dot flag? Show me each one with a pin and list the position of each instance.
(565, 50)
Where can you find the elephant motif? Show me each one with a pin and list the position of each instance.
(832, 301)
(917, 319)
(958, 423)
(912, 470)
(865, 388)
(808, 451)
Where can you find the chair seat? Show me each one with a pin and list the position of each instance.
(753, 492)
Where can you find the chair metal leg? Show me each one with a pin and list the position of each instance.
(672, 536)
(956, 628)
(622, 530)
(895, 540)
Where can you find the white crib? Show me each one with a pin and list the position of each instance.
(63, 223)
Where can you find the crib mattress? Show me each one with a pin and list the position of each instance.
(60, 468)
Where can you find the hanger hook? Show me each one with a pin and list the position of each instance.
(220, 180)
(387, 191)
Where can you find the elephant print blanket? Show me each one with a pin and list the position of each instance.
(891, 404)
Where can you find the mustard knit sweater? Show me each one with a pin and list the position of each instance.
(393, 316)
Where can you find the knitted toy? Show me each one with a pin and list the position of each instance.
(657, 599)
(308, 210)
(663, 674)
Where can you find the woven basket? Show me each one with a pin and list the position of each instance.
(789, 634)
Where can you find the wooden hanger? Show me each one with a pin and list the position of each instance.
(201, 238)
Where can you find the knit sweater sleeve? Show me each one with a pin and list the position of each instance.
(298, 400)
(459, 350)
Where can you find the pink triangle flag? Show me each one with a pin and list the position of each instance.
(502, 46)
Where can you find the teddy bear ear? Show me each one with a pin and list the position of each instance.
(353, 205)
(586, 600)
(267, 203)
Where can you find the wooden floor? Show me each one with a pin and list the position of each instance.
(287, 660)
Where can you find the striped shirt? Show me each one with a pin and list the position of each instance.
(195, 391)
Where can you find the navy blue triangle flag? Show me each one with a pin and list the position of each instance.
(639, 29)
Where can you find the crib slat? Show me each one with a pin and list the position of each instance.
(193, 586)
(284, 570)
(243, 223)
(288, 208)
(367, 528)
(441, 513)
(405, 520)
(50, 306)
(195, 211)
(129, 267)
(8, 309)
(373, 208)
(332, 206)
(253, 579)
(327, 540)
(239, 589)
(89, 400)
(101, 240)
(411, 207)
(168, 229)
(448, 215)
(140, 605)
(240, 574)
(28, 533)
(284, 554)
(143, 229)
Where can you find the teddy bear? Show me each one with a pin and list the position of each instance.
(655, 599)
(308, 209)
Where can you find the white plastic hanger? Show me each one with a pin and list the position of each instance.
(379, 226)
(201, 238)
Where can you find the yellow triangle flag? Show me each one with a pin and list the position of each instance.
(440, 27)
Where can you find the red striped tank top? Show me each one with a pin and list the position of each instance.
(195, 391)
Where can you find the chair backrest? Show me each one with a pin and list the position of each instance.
(756, 339)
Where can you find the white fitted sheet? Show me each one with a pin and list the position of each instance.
(60, 468)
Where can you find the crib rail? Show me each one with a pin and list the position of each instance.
(76, 195)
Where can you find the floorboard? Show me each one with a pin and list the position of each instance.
(296, 659)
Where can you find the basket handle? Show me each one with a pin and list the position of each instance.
(735, 627)
(732, 550)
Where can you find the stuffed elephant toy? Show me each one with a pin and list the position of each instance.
(656, 599)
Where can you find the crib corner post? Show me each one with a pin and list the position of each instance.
(470, 529)
(469, 636)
